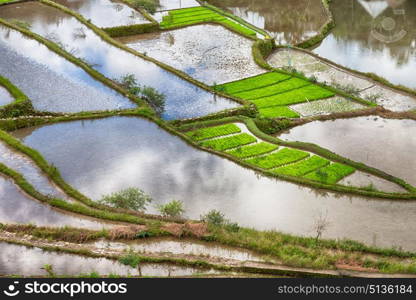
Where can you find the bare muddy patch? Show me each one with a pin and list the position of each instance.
(326, 106)
(120, 152)
(209, 53)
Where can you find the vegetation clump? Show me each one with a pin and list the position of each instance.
(131, 198)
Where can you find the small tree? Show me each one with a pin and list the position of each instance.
(172, 209)
(154, 98)
(131, 198)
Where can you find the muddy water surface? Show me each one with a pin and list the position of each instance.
(120, 152)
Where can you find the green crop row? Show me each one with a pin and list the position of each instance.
(184, 17)
(303, 167)
(307, 93)
(277, 159)
(211, 132)
(253, 150)
(229, 142)
(278, 112)
(331, 174)
(278, 88)
(252, 83)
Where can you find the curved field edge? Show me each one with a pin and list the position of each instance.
(277, 249)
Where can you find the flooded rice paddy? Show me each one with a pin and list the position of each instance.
(120, 152)
(21, 260)
(381, 143)
(374, 36)
(5, 97)
(17, 207)
(183, 99)
(52, 83)
(289, 21)
(216, 56)
(105, 13)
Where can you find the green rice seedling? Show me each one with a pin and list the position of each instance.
(303, 167)
(280, 158)
(254, 82)
(331, 174)
(307, 93)
(211, 132)
(229, 142)
(278, 111)
(253, 150)
(278, 88)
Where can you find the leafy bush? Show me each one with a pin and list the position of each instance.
(272, 126)
(172, 209)
(131, 198)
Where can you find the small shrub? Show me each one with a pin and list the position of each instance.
(154, 98)
(172, 209)
(131, 198)
(49, 269)
(214, 217)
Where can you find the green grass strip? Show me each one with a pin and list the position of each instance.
(251, 83)
(188, 10)
(331, 174)
(278, 88)
(303, 167)
(308, 93)
(253, 150)
(278, 111)
(280, 158)
(211, 132)
(229, 142)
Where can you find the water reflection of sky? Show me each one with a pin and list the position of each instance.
(116, 153)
